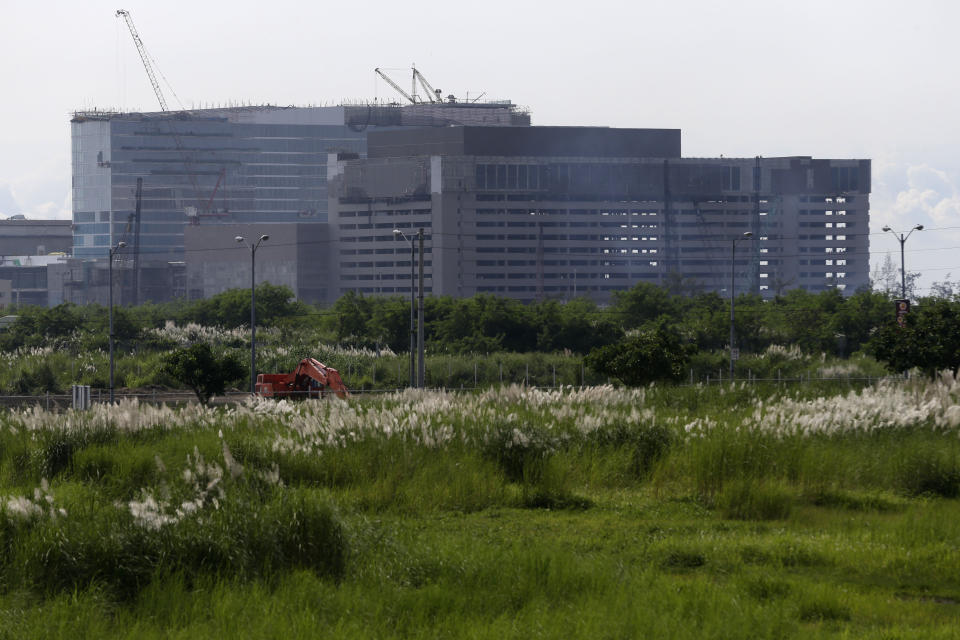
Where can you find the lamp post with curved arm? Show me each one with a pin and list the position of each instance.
(902, 238)
(733, 257)
(253, 306)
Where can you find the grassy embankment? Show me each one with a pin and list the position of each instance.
(663, 512)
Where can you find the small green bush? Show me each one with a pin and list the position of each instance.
(245, 537)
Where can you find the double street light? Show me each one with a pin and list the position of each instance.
(253, 306)
(111, 253)
(420, 378)
(902, 238)
(733, 265)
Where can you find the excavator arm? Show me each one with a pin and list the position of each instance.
(311, 379)
(328, 377)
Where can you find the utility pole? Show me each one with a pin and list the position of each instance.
(253, 307)
(421, 379)
(111, 253)
(413, 333)
(733, 264)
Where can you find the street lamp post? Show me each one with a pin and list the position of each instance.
(733, 258)
(902, 238)
(111, 253)
(397, 233)
(253, 306)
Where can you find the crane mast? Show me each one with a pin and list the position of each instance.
(432, 94)
(123, 13)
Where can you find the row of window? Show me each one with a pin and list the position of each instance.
(829, 199)
(567, 212)
(390, 238)
(382, 265)
(390, 213)
(427, 290)
(549, 224)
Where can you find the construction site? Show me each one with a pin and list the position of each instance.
(506, 207)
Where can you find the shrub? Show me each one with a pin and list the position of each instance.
(656, 353)
(245, 537)
(199, 369)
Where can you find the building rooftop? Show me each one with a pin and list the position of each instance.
(597, 142)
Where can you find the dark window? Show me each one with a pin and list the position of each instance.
(522, 176)
(481, 176)
(731, 179)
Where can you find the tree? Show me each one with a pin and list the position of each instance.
(390, 323)
(886, 278)
(643, 303)
(232, 307)
(351, 313)
(656, 352)
(944, 289)
(198, 368)
(930, 340)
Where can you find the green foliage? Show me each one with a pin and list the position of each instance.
(232, 308)
(930, 341)
(654, 353)
(36, 326)
(199, 369)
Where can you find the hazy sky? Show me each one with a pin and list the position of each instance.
(828, 78)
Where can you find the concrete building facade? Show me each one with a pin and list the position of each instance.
(559, 212)
(295, 256)
(35, 237)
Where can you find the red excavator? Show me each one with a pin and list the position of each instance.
(311, 379)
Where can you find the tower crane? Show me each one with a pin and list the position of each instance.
(123, 13)
(187, 162)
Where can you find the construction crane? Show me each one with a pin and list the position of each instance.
(432, 94)
(123, 13)
(192, 212)
(393, 84)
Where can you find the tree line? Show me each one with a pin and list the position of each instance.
(643, 320)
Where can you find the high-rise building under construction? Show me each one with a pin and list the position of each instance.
(212, 166)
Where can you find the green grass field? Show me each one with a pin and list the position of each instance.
(822, 510)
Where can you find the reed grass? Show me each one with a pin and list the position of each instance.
(731, 512)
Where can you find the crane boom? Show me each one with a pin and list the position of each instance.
(123, 13)
(432, 94)
(395, 86)
(185, 157)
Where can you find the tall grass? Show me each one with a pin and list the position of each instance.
(488, 514)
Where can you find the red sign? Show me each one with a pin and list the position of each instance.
(903, 308)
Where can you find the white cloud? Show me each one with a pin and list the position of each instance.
(930, 197)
